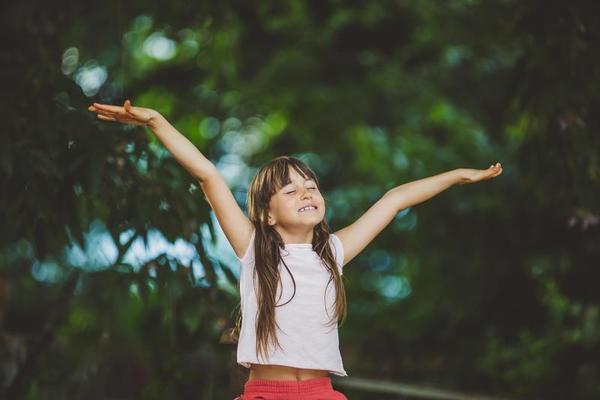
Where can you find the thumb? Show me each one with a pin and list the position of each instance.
(128, 107)
(138, 113)
(131, 111)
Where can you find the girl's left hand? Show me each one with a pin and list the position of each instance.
(469, 175)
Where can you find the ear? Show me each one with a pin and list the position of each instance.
(270, 219)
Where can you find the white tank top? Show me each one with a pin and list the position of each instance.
(306, 340)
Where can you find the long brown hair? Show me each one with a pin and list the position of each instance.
(269, 179)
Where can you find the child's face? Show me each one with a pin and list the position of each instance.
(285, 204)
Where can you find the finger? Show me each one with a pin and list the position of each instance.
(112, 114)
(106, 113)
(108, 107)
(134, 112)
(119, 119)
(105, 118)
(131, 111)
(121, 113)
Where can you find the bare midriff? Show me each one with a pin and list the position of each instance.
(283, 373)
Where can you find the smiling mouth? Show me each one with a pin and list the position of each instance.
(307, 209)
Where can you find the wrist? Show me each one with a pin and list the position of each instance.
(459, 176)
(156, 120)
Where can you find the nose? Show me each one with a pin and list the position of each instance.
(306, 192)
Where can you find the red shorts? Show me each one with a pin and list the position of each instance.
(309, 389)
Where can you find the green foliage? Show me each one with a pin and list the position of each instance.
(487, 288)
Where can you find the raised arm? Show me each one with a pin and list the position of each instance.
(358, 235)
(236, 226)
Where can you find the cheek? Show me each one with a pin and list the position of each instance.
(280, 207)
(322, 207)
(322, 201)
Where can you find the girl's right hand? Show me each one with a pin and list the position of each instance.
(126, 114)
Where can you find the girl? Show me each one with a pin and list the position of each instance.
(288, 337)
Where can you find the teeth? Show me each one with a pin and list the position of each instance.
(307, 208)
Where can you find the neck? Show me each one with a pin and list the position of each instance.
(296, 236)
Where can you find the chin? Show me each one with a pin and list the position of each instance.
(319, 221)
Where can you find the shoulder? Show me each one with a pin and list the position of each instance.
(338, 249)
(248, 254)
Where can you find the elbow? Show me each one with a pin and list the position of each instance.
(206, 173)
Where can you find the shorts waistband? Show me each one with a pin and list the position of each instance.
(277, 386)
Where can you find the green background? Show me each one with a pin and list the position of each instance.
(116, 281)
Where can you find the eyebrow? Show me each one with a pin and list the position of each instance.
(306, 180)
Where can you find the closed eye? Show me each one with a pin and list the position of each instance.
(314, 188)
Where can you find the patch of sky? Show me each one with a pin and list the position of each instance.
(140, 253)
(159, 47)
(240, 195)
(222, 248)
(100, 252)
(90, 77)
(393, 287)
(229, 141)
(47, 271)
(242, 138)
(255, 140)
(245, 141)
(232, 168)
(218, 249)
